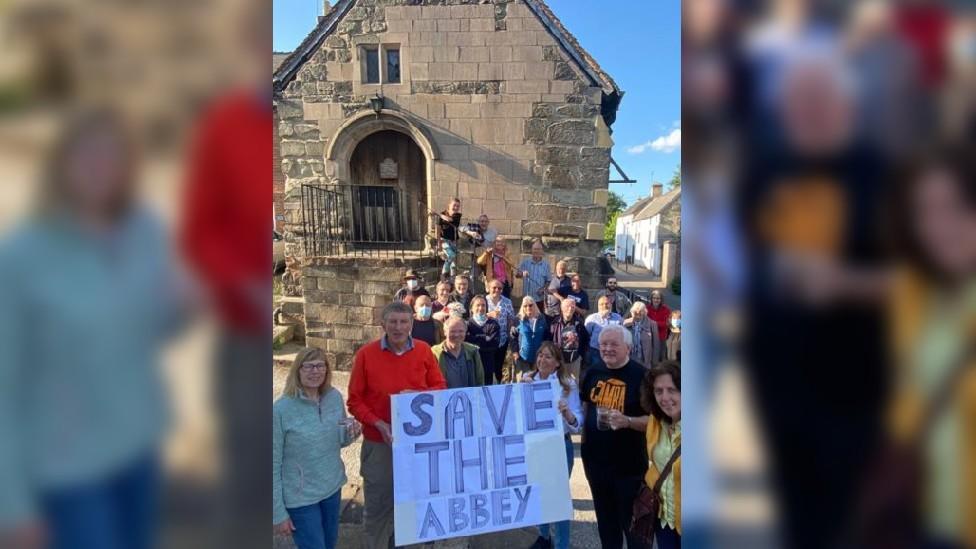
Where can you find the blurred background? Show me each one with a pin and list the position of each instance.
(829, 272)
(121, 318)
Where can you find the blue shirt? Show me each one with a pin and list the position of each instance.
(596, 323)
(538, 278)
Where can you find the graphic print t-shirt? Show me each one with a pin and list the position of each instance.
(623, 450)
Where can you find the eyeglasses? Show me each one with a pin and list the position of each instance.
(309, 366)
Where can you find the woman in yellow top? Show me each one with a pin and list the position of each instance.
(933, 301)
(661, 397)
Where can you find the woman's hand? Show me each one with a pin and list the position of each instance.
(629, 321)
(494, 314)
(355, 430)
(527, 377)
(284, 528)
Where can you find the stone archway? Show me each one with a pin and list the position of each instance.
(353, 159)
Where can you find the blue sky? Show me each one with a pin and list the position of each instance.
(636, 41)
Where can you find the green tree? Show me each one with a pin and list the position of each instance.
(675, 178)
(615, 205)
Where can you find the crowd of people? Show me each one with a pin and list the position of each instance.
(618, 368)
(828, 176)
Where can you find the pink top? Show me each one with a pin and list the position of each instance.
(499, 269)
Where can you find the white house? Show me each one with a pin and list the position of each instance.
(643, 228)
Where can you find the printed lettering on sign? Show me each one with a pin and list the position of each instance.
(476, 460)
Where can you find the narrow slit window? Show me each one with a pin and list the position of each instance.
(372, 56)
(393, 66)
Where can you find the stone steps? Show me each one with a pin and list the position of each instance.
(283, 357)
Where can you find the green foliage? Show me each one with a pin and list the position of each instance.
(675, 178)
(676, 285)
(609, 232)
(615, 205)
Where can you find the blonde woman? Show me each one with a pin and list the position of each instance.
(549, 362)
(530, 333)
(647, 346)
(310, 428)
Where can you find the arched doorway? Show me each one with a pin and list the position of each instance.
(388, 179)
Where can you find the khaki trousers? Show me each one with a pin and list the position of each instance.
(376, 468)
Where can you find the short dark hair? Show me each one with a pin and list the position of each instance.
(396, 307)
(648, 402)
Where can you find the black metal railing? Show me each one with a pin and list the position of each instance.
(363, 220)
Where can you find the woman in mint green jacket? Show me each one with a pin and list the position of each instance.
(310, 428)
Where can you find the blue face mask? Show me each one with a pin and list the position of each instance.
(424, 312)
(481, 318)
(676, 323)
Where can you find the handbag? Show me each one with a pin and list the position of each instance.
(889, 513)
(647, 504)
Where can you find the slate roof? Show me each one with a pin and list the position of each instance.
(287, 68)
(658, 204)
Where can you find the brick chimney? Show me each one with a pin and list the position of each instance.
(657, 189)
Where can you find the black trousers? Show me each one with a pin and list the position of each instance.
(613, 500)
(498, 368)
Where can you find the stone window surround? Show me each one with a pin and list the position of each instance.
(381, 49)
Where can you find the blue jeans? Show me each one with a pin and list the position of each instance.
(450, 251)
(561, 528)
(117, 512)
(317, 525)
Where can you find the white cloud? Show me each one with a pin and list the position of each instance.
(665, 144)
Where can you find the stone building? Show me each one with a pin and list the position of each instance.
(389, 108)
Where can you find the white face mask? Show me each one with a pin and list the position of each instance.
(412, 284)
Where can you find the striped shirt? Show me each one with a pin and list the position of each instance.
(538, 278)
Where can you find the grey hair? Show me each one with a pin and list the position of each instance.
(638, 306)
(625, 334)
(396, 307)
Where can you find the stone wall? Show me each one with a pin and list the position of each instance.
(344, 300)
(517, 125)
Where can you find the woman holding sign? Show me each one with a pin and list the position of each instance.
(549, 361)
(310, 427)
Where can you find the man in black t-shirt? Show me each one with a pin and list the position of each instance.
(614, 450)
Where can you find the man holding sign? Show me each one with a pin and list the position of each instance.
(396, 363)
(474, 460)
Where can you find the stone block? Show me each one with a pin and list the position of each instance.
(465, 38)
(440, 71)
(351, 300)
(436, 12)
(446, 54)
(601, 196)
(350, 332)
(474, 54)
(515, 71)
(594, 231)
(454, 152)
(500, 54)
(563, 229)
(466, 71)
(516, 209)
(571, 132)
(537, 228)
(342, 346)
(399, 25)
(448, 25)
(463, 110)
(526, 86)
(494, 207)
(593, 214)
(514, 193)
(421, 54)
(506, 110)
(491, 71)
(562, 87)
(361, 315)
(292, 148)
(527, 53)
(547, 212)
(328, 314)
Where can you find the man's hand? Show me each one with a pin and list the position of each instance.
(494, 314)
(384, 429)
(284, 528)
(618, 420)
(524, 274)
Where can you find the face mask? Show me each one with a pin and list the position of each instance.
(481, 318)
(424, 312)
(412, 284)
(676, 323)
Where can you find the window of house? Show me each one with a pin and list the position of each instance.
(371, 68)
(393, 65)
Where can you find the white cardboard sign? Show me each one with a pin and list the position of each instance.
(476, 460)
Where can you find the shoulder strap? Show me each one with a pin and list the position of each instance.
(667, 469)
(937, 403)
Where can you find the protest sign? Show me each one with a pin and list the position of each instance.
(475, 460)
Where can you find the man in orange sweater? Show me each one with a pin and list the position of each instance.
(395, 363)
